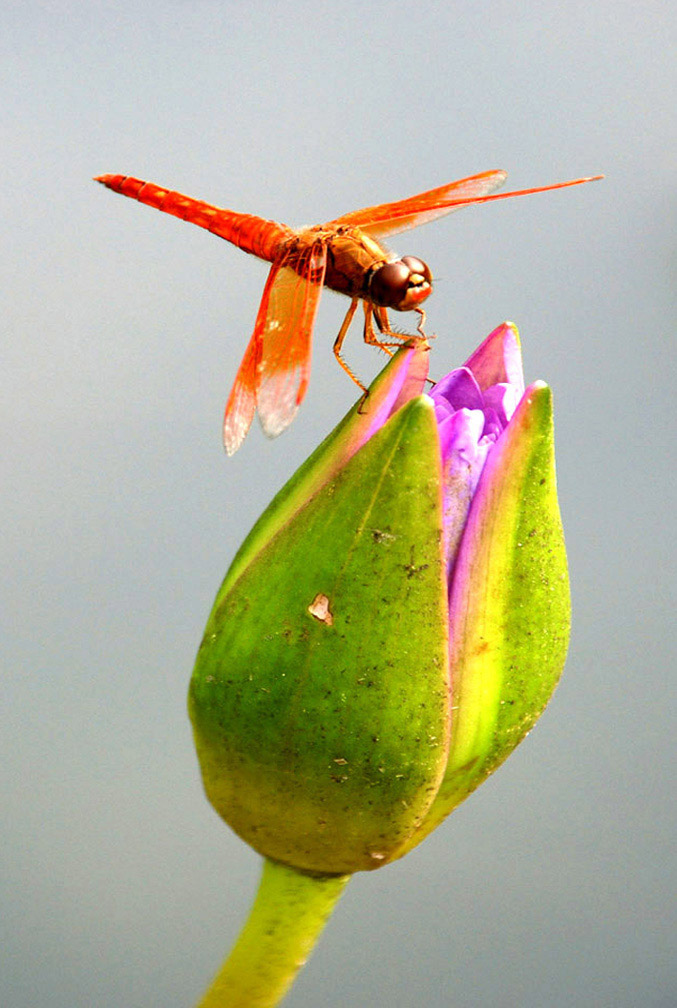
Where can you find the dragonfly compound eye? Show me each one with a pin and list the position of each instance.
(402, 284)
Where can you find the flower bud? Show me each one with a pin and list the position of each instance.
(394, 623)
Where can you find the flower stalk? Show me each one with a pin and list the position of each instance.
(290, 910)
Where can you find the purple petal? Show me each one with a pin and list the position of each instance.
(498, 359)
(463, 454)
(492, 427)
(501, 458)
(502, 399)
(458, 389)
(442, 409)
(460, 434)
(473, 406)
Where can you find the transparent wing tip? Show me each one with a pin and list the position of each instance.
(273, 425)
(234, 432)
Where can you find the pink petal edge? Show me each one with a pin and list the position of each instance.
(498, 359)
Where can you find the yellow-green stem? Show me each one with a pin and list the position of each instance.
(288, 914)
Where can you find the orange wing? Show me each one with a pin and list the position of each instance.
(390, 218)
(241, 404)
(273, 375)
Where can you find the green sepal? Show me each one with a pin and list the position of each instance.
(509, 606)
(400, 380)
(322, 738)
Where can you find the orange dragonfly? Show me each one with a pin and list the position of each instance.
(344, 254)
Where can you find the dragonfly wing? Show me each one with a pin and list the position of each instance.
(379, 222)
(286, 332)
(389, 218)
(241, 404)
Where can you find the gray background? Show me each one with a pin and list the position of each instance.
(122, 330)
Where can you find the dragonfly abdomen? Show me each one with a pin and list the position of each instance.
(252, 234)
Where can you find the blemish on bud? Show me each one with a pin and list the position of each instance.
(319, 608)
(382, 537)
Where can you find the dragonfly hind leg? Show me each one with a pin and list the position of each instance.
(371, 338)
(338, 344)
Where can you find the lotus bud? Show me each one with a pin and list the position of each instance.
(394, 623)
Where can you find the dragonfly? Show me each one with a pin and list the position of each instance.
(347, 255)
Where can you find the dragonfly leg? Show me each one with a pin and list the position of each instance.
(338, 344)
(419, 327)
(370, 337)
(395, 339)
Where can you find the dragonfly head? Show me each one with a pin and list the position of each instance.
(401, 284)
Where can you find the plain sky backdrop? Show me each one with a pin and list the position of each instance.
(554, 884)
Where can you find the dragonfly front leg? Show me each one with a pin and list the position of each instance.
(383, 323)
(338, 344)
(381, 316)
